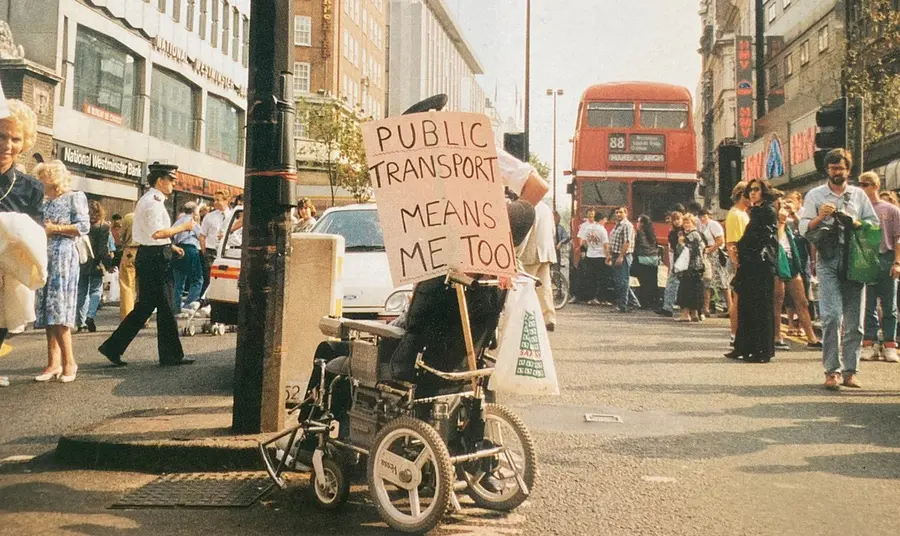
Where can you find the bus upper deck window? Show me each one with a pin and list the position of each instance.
(665, 115)
(610, 114)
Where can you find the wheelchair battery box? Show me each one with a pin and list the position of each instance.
(364, 417)
(364, 362)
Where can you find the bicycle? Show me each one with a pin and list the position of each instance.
(560, 285)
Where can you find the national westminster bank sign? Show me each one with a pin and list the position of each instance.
(99, 163)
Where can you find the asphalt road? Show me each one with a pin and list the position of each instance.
(705, 446)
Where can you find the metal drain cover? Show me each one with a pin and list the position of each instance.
(199, 489)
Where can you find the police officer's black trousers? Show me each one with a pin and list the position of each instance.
(155, 291)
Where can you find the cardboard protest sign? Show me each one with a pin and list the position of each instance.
(439, 195)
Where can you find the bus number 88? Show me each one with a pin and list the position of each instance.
(617, 142)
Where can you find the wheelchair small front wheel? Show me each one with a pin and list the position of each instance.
(333, 492)
(410, 475)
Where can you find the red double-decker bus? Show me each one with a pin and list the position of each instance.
(634, 146)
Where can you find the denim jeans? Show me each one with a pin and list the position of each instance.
(671, 292)
(89, 288)
(625, 297)
(884, 290)
(187, 271)
(839, 300)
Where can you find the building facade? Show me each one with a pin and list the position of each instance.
(143, 81)
(429, 55)
(804, 52)
(340, 59)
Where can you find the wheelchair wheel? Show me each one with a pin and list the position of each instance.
(560, 287)
(410, 475)
(495, 486)
(333, 493)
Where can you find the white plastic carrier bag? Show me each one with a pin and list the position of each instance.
(524, 359)
(111, 287)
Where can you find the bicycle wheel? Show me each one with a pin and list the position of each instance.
(560, 288)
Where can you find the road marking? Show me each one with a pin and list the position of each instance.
(20, 458)
(658, 479)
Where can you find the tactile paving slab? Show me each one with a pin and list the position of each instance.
(199, 490)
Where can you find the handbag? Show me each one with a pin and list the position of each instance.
(85, 251)
(524, 359)
(865, 243)
(723, 257)
(784, 265)
(683, 261)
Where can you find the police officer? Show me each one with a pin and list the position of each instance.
(153, 232)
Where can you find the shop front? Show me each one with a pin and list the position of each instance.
(194, 188)
(113, 180)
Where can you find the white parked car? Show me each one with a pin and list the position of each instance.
(368, 290)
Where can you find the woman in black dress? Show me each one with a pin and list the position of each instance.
(755, 277)
(690, 289)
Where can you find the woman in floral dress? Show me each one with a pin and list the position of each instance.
(65, 218)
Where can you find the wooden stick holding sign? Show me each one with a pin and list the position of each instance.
(439, 195)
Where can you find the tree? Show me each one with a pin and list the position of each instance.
(873, 65)
(337, 146)
(542, 168)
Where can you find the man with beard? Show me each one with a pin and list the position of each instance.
(828, 212)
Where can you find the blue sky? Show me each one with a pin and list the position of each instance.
(576, 43)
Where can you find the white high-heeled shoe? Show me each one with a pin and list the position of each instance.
(70, 378)
(47, 376)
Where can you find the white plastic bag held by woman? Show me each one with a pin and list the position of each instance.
(524, 360)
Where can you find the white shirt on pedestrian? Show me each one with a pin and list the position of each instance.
(211, 226)
(540, 245)
(711, 231)
(596, 237)
(150, 215)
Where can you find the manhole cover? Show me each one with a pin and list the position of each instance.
(199, 489)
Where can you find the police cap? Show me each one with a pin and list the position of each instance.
(157, 170)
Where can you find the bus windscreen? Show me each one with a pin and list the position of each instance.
(610, 114)
(664, 115)
(655, 199)
(604, 193)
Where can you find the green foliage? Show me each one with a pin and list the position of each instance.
(338, 148)
(542, 168)
(873, 66)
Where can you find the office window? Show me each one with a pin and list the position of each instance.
(223, 129)
(106, 79)
(823, 38)
(365, 21)
(236, 33)
(301, 77)
(226, 27)
(302, 31)
(788, 65)
(214, 29)
(804, 53)
(245, 32)
(785, 4)
(162, 5)
(773, 77)
(173, 110)
(301, 126)
(770, 12)
(191, 7)
(204, 18)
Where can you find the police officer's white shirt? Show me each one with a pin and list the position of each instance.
(212, 224)
(150, 215)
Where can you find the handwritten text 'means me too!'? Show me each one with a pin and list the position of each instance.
(447, 158)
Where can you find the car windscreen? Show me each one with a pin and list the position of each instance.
(360, 228)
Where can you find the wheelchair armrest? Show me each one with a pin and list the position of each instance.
(334, 327)
(385, 331)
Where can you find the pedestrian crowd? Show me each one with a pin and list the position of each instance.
(158, 266)
(780, 262)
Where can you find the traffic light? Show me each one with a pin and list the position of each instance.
(516, 145)
(832, 123)
(730, 170)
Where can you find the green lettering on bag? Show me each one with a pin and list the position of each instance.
(529, 363)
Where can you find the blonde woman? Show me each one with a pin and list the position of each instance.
(66, 217)
(19, 192)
